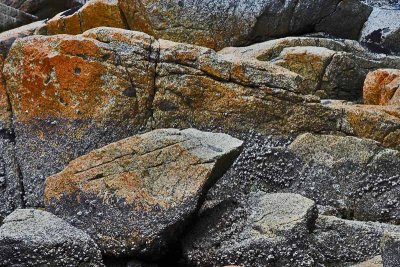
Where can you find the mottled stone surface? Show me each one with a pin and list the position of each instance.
(260, 230)
(31, 237)
(391, 249)
(134, 196)
(382, 87)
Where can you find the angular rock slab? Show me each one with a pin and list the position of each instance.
(382, 87)
(262, 230)
(391, 249)
(134, 196)
(31, 237)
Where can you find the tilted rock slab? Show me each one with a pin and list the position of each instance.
(382, 87)
(199, 22)
(134, 196)
(31, 237)
(261, 230)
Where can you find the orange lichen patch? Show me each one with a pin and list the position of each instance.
(381, 87)
(92, 15)
(136, 15)
(61, 78)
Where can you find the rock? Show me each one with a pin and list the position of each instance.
(78, 85)
(363, 185)
(31, 237)
(88, 18)
(42, 8)
(261, 230)
(328, 68)
(374, 262)
(337, 241)
(134, 196)
(381, 32)
(381, 87)
(198, 22)
(12, 18)
(391, 249)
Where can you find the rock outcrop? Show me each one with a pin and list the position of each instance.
(37, 238)
(134, 196)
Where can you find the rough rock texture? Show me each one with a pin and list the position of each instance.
(391, 249)
(199, 22)
(37, 238)
(374, 262)
(261, 230)
(382, 87)
(41, 8)
(381, 32)
(362, 185)
(11, 17)
(337, 241)
(134, 196)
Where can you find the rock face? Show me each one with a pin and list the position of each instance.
(198, 22)
(382, 87)
(324, 168)
(337, 241)
(381, 32)
(255, 232)
(11, 17)
(374, 262)
(391, 249)
(37, 238)
(135, 195)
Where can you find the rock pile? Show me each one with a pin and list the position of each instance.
(200, 133)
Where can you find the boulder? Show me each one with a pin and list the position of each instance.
(362, 186)
(11, 17)
(381, 32)
(31, 237)
(382, 87)
(198, 22)
(391, 249)
(134, 196)
(260, 230)
(338, 242)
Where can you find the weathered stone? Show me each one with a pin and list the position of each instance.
(142, 189)
(382, 87)
(391, 249)
(381, 32)
(11, 17)
(94, 14)
(338, 242)
(261, 230)
(374, 262)
(86, 94)
(37, 238)
(363, 185)
(199, 22)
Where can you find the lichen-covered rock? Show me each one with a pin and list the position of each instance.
(93, 14)
(391, 249)
(261, 230)
(199, 22)
(382, 87)
(337, 241)
(134, 196)
(363, 185)
(71, 94)
(31, 237)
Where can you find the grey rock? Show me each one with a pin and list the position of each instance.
(363, 185)
(338, 242)
(374, 262)
(381, 33)
(260, 230)
(135, 196)
(391, 249)
(11, 17)
(37, 238)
